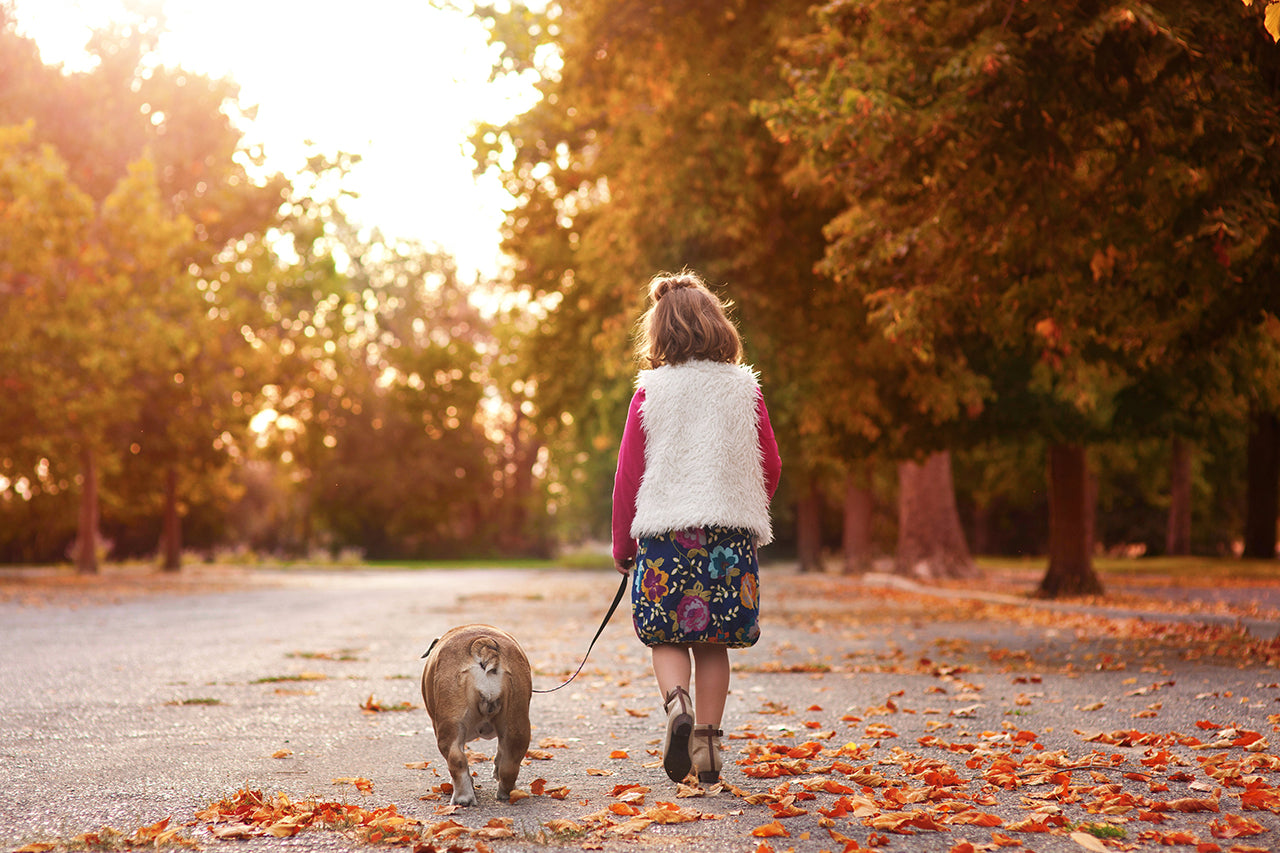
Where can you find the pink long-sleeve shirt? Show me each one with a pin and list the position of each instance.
(626, 482)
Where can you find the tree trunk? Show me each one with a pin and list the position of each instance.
(858, 505)
(171, 530)
(809, 529)
(1178, 536)
(1071, 504)
(1263, 487)
(87, 533)
(931, 542)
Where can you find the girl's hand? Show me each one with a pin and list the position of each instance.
(624, 566)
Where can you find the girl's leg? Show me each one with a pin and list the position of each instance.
(672, 667)
(712, 674)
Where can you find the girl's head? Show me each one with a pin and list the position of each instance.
(685, 322)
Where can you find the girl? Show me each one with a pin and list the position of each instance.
(697, 467)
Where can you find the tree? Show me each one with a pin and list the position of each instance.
(644, 155)
(1258, 355)
(77, 272)
(931, 543)
(1039, 203)
(103, 123)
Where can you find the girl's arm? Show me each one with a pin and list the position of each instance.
(626, 482)
(768, 448)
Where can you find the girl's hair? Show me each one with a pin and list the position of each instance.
(686, 321)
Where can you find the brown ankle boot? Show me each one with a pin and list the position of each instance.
(675, 746)
(704, 750)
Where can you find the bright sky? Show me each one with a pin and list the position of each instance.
(393, 80)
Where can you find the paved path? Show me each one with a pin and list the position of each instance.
(129, 708)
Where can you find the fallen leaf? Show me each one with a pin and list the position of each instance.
(632, 827)
(1235, 826)
(773, 829)
(628, 787)
(1088, 842)
(903, 822)
(670, 813)
(975, 818)
(1190, 804)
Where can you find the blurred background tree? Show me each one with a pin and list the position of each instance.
(1008, 273)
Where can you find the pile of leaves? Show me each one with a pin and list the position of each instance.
(155, 836)
(251, 814)
(1087, 797)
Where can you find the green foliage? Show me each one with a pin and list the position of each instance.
(80, 278)
(643, 155)
(945, 224)
(156, 300)
(1043, 205)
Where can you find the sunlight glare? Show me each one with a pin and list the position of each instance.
(396, 81)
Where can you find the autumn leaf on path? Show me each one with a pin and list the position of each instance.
(632, 827)
(903, 823)
(1235, 826)
(774, 829)
(361, 784)
(1088, 842)
(975, 818)
(670, 813)
(370, 706)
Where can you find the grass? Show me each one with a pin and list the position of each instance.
(340, 655)
(1174, 568)
(1101, 830)
(568, 561)
(279, 679)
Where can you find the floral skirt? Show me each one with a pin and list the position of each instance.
(700, 585)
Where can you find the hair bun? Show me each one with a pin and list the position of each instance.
(665, 284)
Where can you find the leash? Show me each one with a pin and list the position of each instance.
(617, 598)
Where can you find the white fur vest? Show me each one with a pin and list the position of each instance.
(702, 462)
